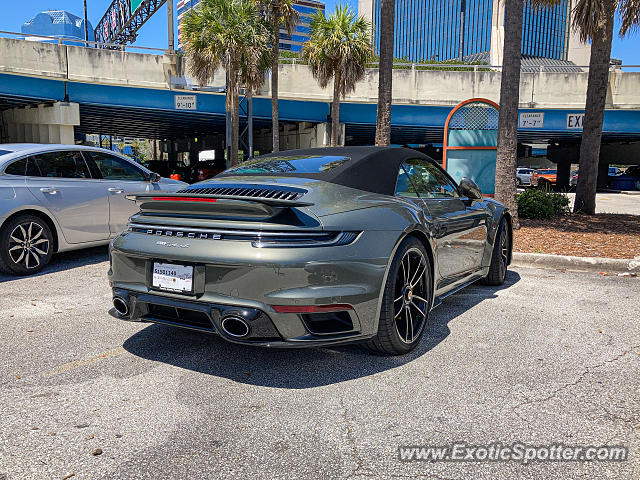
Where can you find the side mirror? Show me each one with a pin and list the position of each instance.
(154, 177)
(468, 188)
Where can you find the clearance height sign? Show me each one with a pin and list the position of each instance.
(135, 4)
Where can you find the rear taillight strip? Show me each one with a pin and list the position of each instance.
(258, 239)
(183, 199)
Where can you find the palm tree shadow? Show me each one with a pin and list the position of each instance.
(293, 368)
(67, 261)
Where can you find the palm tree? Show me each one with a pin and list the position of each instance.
(506, 157)
(255, 65)
(594, 20)
(385, 72)
(339, 48)
(224, 33)
(279, 14)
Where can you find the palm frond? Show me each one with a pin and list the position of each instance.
(338, 43)
(218, 33)
(589, 16)
(630, 15)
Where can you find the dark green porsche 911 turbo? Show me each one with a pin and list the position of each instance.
(309, 248)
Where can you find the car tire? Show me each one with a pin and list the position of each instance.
(499, 256)
(406, 301)
(518, 182)
(637, 184)
(26, 245)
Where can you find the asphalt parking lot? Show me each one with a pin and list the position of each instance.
(552, 357)
(614, 203)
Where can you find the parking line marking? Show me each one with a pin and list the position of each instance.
(83, 363)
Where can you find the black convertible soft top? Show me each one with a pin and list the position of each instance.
(372, 169)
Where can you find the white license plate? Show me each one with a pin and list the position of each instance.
(176, 278)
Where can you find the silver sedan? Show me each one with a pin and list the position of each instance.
(55, 198)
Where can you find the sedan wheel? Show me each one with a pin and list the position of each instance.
(406, 302)
(25, 245)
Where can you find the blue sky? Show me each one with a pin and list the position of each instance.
(154, 32)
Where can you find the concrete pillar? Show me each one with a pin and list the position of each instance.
(193, 157)
(323, 135)
(172, 151)
(577, 51)
(48, 123)
(564, 174)
(497, 33)
(603, 175)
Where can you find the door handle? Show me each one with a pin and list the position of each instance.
(115, 190)
(49, 190)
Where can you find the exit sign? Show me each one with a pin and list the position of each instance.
(135, 4)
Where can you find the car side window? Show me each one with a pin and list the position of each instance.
(428, 181)
(23, 167)
(60, 164)
(404, 186)
(18, 167)
(115, 168)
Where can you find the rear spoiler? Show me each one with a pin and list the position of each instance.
(221, 206)
(208, 198)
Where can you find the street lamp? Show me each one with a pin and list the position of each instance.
(86, 24)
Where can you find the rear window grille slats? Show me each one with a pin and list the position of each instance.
(244, 191)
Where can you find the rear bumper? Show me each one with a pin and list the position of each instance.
(207, 318)
(232, 276)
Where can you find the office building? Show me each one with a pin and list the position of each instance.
(292, 42)
(57, 23)
(474, 30)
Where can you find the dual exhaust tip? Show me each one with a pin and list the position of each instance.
(121, 306)
(233, 325)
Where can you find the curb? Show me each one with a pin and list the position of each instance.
(583, 264)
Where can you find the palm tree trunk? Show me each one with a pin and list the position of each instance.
(249, 154)
(385, 73)
(233, 106)
(506, 158)
(275, 125)
(335, 110)
(594, 116)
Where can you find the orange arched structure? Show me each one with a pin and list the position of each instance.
(476, 120)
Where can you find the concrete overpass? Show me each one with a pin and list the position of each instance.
(49, 92)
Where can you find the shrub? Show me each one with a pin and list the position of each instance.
(560, 203)
(536, 204)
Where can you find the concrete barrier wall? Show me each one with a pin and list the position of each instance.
(442, 87)
(112, 67)
(32, 58)
(420, 87)
(625, 89)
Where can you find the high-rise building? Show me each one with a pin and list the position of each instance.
(59, 24)
(292, 42)
(474, 30)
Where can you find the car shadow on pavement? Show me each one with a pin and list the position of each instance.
(294, 368)
(66, 261)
